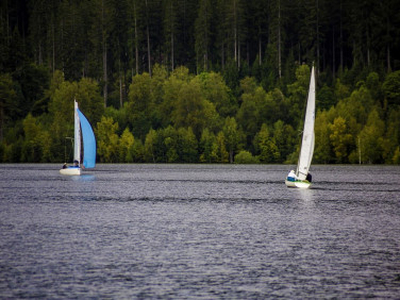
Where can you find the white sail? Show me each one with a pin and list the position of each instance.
(77, 134)
(307, 143)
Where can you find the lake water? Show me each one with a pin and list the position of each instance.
(199, 232)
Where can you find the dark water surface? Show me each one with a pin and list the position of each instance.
(199, 232)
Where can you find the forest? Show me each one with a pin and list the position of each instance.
(200, 81)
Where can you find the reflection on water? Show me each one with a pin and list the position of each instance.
(198, 231)
(83, 177)
(307, 195)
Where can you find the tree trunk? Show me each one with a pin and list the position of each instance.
(121, 93)
(341, 39)
(368, 47)
(259, 51)
(318, 52)
(105, 77)
(248, 53)
(54, 46)
(222, 56)
(279, 41)
(238, 58)
(389, 68)
(121, 81)
(333, 52)
(40, 59)
(172, 39)
(148, 38)
(136, 42)
(1, 121)
(8, 30)
(235, 30)
(172, 52)
(104, 46)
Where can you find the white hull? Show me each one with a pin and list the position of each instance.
(302, 184)
(70, 171)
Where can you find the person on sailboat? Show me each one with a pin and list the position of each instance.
(291, 176)
(309, 177)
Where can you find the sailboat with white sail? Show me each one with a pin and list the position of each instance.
(301, 178)
(83, 138)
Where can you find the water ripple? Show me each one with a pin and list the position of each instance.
(198, 231)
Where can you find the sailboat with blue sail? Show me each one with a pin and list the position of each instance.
(83, 138)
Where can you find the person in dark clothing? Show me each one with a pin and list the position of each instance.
(309, 177)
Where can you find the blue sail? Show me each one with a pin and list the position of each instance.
(89, 142)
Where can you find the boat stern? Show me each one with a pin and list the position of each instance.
(295, 183)
(71, 171)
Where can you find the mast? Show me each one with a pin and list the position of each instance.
(307, 143)
(77, 134)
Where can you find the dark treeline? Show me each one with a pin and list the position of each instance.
(200, 80)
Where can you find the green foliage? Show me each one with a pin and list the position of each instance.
(187, 146)
(33, 80)
(89, 99)
(285, 139)
(125, 147)
(391, 88)
(396, 156)
(392, 137)
(265, 146)
(107, 140)
(322, 151)
(215, 90)
(341, 139)
(191, 109)
(179, 117)
(61, 108)
(245, 157)
(197, 57)
(171, 89)
(219, 150)
(150, 146)
(247, 116)
(298, 93)
(342, 91)
(232, 136)
(8, 102)
(31, 151)
(253, 110)
(138, 152)
(371, 139)
(325, 98)
(140, 105)
(159, 76)
(374, 86)
(170, 145)
(207, 146)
